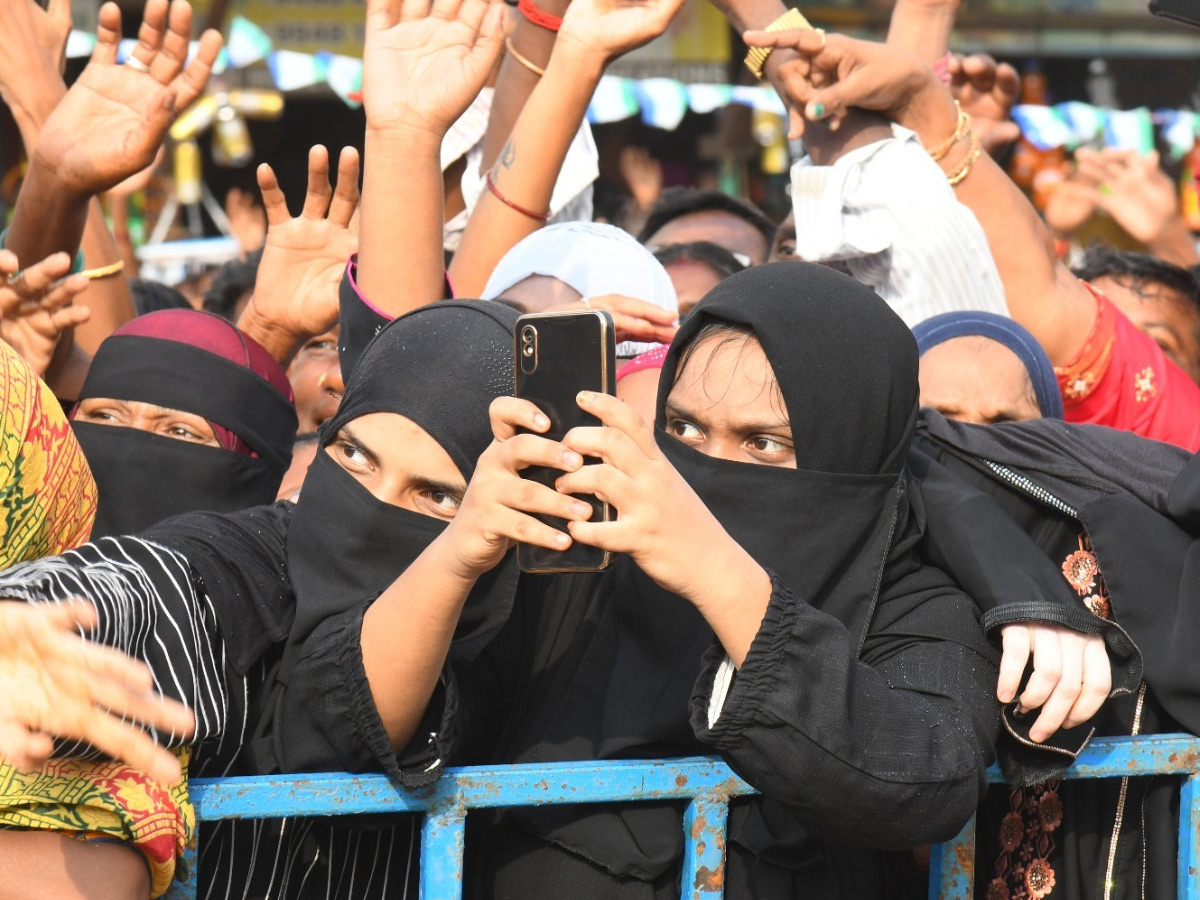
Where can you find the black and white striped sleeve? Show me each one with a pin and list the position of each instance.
(151, 606)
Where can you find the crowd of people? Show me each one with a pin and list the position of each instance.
(901, 488)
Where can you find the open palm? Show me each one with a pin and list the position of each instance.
(113, 119)
(616, 26)
(422, 65)
(305, 257)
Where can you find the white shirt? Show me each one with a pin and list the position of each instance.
(888, 215)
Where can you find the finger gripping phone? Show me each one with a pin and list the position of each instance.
(557, 355)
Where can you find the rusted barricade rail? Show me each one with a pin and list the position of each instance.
(708, 785)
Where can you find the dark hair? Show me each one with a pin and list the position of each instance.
(729, 333)
(676, 203)
(229, 283)
(1140, 269)
(152, 296)
(715, 257)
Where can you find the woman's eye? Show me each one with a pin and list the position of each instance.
(353, 456)
(684, 430)
(323, 346)
(786, 249)
(445, 503)
(99, 415)
(769, 446)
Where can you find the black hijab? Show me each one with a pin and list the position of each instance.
(144, 478)
(838, 532)
(439, 366)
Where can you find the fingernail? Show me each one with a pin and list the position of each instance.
(585, 397)
(561, 539)
(582, 510)
(572, 459)
(541, 421)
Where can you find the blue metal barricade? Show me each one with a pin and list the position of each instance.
(708, 784)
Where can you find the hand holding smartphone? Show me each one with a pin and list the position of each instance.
(557, 356)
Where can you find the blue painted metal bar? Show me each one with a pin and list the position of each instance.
(708, 784)
(704, 825)
(1188, 885)
(443, 840)
(952, 866)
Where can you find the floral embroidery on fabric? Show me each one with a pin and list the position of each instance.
(1026, 842)
(1143, 385)
(1079, 378)
(1082, 571)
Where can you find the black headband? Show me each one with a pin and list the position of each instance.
(179, 376)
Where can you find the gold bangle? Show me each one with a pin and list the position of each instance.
(970, 161)
(529, 64)
(104, 271)
(960, 131)
(756, 59)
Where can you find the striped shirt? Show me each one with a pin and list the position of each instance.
(886, 214)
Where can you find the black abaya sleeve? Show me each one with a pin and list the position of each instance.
(887, 750)
(324, 717)
(358, 321)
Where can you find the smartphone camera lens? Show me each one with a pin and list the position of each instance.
(529, 351)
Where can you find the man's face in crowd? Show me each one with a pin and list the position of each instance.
(316, 377)
(692, 280)
(977, 380)
(724, 229)
(1161, 313)
(400, 463)
(538, 293)
(784, 245)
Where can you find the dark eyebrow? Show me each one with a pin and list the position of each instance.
(444, 487)
(348, 435)
(674, 409)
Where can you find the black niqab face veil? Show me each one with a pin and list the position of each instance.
(440, 367)
(846, 366)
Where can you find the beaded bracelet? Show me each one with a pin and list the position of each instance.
(531, 12)
(491, 186)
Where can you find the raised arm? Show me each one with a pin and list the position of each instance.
(32, 85)
(1042, 294)
(521, 183)
(423, 65)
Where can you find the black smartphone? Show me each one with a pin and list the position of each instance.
(557, 356)
(1185, 11)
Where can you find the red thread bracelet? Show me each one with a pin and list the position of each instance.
(531, 12)
(491, 186)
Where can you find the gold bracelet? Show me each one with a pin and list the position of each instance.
(104, 271)
(756, 59)
(527, 63)
(971, 159)
(960, 131)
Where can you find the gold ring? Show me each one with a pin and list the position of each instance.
(321, 381)
(134, 63)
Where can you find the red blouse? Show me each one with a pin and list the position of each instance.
(1121, 378)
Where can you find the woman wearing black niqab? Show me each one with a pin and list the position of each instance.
(862, 699)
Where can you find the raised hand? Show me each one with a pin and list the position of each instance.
(1133, 189)
(35, 44)
(111, 122)
(842, 73)
(613, 27)
(53, 683)
(35, 307)
(424, 64)
(987, 91)
(304, 258)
